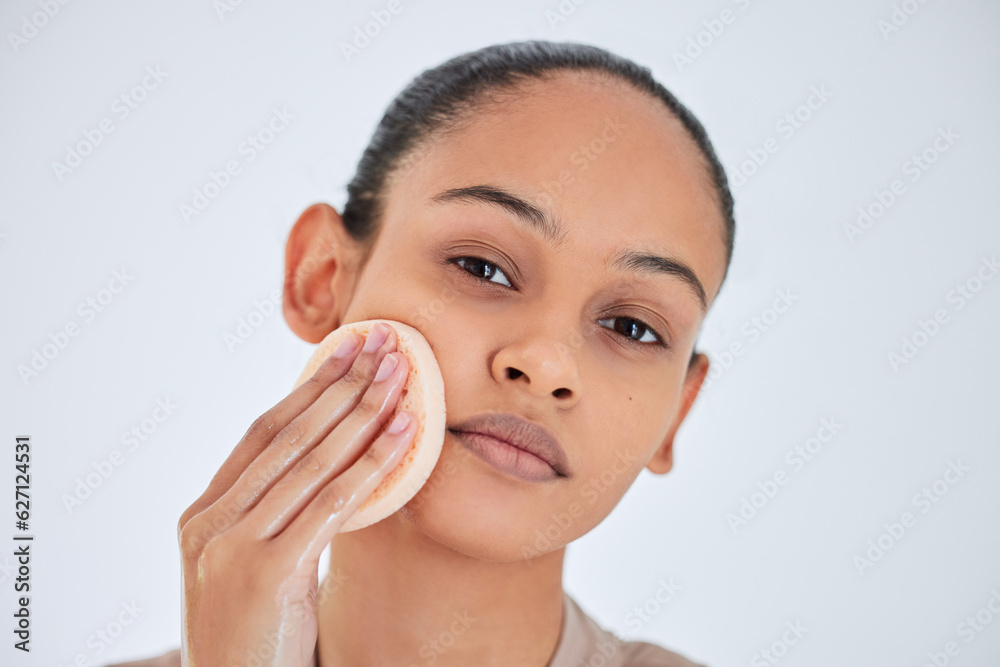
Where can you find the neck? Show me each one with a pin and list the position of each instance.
(393, 596)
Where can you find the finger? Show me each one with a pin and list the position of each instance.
(311, 531)
(341, 448)
(301, 435)
(264, 428)
(268, 427)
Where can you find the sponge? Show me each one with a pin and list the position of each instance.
(422, 396)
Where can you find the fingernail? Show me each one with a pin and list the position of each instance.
(400, 423)
(346, 346)
(377, 336)
(386, 367)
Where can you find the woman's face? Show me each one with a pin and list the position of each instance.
(527, 310)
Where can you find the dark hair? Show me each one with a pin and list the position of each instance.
(441, 97)
(438, 98)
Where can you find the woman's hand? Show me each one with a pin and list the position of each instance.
(250, 545)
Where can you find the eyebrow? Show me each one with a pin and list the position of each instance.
(538, 220)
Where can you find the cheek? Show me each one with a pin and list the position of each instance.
(620, 416)
(431, 305)
(622, 435)
(605, 482)
(461, 344)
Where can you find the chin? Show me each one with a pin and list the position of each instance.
(469, 507)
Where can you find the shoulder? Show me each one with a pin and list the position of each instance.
(584, 642)
(643, 654)
(171, 659)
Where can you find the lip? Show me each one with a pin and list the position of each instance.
(514, 445)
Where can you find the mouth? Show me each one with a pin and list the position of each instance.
(514, 446)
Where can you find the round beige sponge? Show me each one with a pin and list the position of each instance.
(422, 396)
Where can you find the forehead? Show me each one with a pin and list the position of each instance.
(611, 164)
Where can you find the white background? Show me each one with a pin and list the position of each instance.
(827, 356)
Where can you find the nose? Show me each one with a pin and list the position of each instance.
(542, 365)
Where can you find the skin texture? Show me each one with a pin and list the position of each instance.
(468, 544)
(250, 545)
(470, 571)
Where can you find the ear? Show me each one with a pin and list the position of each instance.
(663, 459)
(320, 263)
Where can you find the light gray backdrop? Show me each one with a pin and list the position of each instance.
(855, 342)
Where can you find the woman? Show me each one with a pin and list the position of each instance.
(572, 223)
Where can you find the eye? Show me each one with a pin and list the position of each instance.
(636, 331)
(482, 269)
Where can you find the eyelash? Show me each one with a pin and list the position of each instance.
(631, 341)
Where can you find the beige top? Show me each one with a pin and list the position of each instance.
(583, 643)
